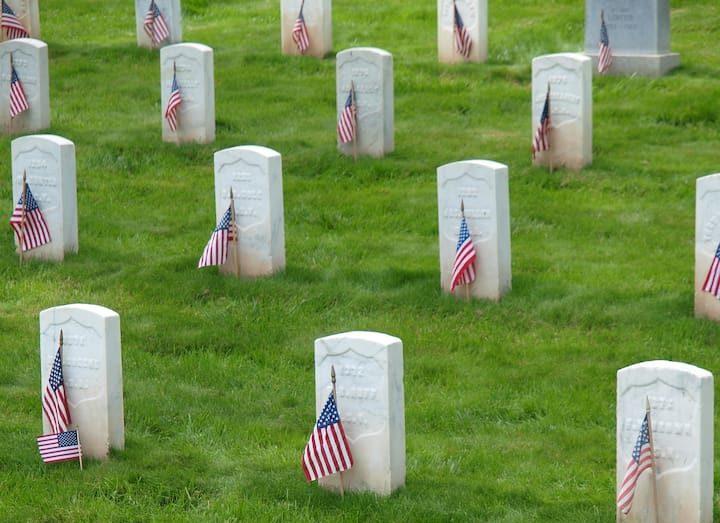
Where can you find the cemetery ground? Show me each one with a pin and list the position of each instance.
(510, 406)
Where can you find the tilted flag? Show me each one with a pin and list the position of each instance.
(216, 250)
(463, 271)
(28, 222)
(155, 25)
(347, 124)
(541, 141)
(55, 448)
(54, 403)
(171, 112)
(463, 42)
(300, 34)
(328, 450)
(640, 461)
(712, 280)
(10, 23)
(605, 57)
(18, 100)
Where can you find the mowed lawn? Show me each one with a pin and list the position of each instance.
(510, 407)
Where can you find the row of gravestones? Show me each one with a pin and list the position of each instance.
(254, 176)
(370, 397)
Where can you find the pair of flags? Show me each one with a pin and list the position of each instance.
(10, 24)
(61, 444)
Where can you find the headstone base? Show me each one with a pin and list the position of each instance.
(650, 65)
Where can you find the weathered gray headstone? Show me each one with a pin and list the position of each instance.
(49, 162)
(681, 402)
(370, 70)
(255, 176)
(28, 12)
(30, 59)
(92, 368)
(474, 14)
(318, 20)
(639, 34)
(482, 186)
(707, 240)
(193, 64)
(371, 404)
(569, 76)
(171, 13)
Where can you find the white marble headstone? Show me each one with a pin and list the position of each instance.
(474, 14)
(681, 401)
(318, 20)
(707, 240)
(195, 76)
(371, 71)
(483, 187)
(28, 12)
(255, 176)
(92, 368)
(30, 58)
(639, 34)
(49, 162)
(570, 78)
(371, 404)
(170, 10)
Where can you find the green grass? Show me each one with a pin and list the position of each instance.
(510, 407)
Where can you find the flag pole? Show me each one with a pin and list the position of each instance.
(355, 118)
(77, 431)
(23, 198)
(652, 456)
(332, 375)
(236, 235)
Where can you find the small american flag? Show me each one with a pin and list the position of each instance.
(463, 42)
(216, 250)
(155, 25)
(28, 222)
(605, 57)
(54, 404)
(541, 141)
(171, 112)
(55, 448)
(10, 23)
(347, 124)
(300, 34)
(712, 280)
(641, 461)
(18, 100)
(328, 450)
(463, 271)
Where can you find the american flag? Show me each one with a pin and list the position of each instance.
(641, 461)
(712, 280)
(29, 223)
(328, 450)
(463, 42)
(300, 34)
(55, 448)
(173, 104)
(541, 141)
(605, 57)
(155, 25)
(347, 124)
(54, 404)
(216, 250)
(463, 271)
(11, 23)
(18, 100)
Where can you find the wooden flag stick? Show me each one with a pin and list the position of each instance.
(652, 456)
(77, 431)
(355, 118)
(332, 375)
(236, 235)
(23, 200)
